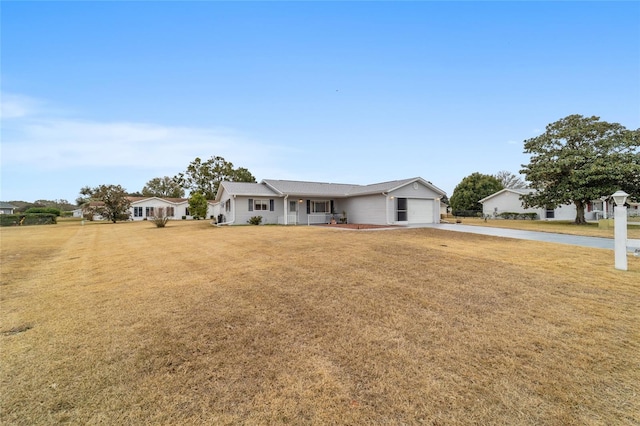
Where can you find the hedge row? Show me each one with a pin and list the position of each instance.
(467, 213)
(27, 219)
(49, 210)
(515, 215)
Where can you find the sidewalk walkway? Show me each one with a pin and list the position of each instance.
(576, 240)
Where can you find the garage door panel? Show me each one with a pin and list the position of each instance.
(419, 211)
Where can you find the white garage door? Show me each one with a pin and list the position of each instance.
(419, 211)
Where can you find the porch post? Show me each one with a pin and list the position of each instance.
(286, 211)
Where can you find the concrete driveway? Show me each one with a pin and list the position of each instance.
(575, 240)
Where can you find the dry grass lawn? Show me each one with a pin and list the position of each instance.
(191, 324)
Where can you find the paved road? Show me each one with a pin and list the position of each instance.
(576, 240)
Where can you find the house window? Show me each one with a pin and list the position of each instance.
(261, 205)
(401, 209)
(320, 207)
(551, 213)
(186, 211)
(137, 212)
(169, 211)
(227, 205)
(149, 211)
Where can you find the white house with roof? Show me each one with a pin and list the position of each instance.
(143, 208)
(509, 200)
(287, 202)
(6, 208)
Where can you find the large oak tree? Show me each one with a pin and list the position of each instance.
(579, 159)
(109, 201)
(205, 176)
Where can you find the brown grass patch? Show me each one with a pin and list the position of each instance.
(193, 324)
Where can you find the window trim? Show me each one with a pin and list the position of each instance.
(315, 203)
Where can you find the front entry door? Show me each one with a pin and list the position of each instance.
(293, 213)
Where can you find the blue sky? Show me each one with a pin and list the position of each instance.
(353, 92)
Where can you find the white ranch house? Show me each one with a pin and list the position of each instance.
(147, 207)
(143, 208)
(287, 202)
(509, 200)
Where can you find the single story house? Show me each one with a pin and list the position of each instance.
(509, 200)
(143, 208)
(6, 208)
(288, 202)
(176, 208)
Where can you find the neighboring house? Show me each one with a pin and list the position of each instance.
(508, 200)
(176, 208)
(6, 208)
(143, 208)
(286, 202)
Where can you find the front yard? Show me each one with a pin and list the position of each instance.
(192, 324)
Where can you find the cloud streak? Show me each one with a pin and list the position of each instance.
(31, 140)
(37, 145)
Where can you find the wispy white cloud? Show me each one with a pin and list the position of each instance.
(39, 141)
(48, 154)
(17, 106)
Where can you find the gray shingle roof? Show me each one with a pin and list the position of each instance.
(247, 189)
(5, 205)
(271, 187)
(309, 188)
(381, 187)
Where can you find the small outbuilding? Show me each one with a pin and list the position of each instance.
(6, 208)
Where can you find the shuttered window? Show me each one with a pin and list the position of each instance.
(261, 205)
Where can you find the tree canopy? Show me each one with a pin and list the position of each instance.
(510, 180)
(472, 189)
(198, 205)
(165, 187)
(205, 176)
(579, 159)
(109, 201)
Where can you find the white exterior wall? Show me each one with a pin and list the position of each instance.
(370, 209)
(506, 202)
(564, 212)
(179, 209)
(510, 202)
(378, 209)
(416, 192)
(240, 214)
